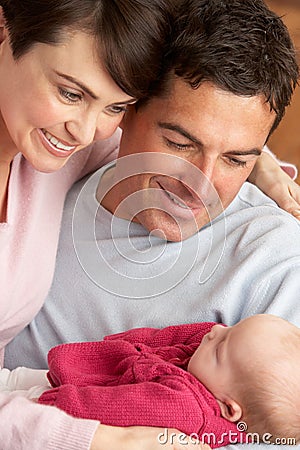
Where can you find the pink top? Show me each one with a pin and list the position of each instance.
(139, 377)
(28, 244)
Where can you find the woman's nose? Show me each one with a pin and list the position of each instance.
(106, 126)
(84, 130)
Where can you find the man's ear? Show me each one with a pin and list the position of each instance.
(230, 410)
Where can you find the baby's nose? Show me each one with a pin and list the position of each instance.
(216, 330)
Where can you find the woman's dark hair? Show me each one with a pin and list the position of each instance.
(131, 34)
(239, 45)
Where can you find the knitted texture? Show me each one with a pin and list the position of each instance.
(137, 377)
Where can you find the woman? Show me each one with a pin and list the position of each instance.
(68, 69)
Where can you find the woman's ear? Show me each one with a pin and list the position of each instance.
(230, 410)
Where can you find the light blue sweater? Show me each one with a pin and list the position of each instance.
(111, 276)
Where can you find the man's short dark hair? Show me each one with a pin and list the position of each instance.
(238, 45)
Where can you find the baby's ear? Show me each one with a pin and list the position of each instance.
(230, 410)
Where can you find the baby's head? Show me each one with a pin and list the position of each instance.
(253, 370)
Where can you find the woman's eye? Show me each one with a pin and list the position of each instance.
(115, 109)
(71, 97)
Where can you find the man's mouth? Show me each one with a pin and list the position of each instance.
(176, 200)
(189, 202)
(56, 143)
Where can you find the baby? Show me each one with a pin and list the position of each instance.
(252, 369)
(200, 378)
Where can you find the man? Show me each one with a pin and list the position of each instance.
(217, 249)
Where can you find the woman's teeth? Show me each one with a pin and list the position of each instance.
(54, 141)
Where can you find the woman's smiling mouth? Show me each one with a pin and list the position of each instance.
(55, 146)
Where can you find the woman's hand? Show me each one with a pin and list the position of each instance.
(145, 438)
(268, 176)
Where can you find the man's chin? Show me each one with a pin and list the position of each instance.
(175, 233)
(165, 227)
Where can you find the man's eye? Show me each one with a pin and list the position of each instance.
(177, 145)
(237, 162)
(71, 97)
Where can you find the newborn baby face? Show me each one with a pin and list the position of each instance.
(225, 350)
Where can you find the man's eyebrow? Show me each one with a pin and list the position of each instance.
(252, 151)
(78, 83)
(186, 134)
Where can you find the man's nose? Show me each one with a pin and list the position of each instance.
(207, 166)
(199, 177)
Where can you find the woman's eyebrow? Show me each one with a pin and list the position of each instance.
(78, 83)
(87, 90)
(132, 101)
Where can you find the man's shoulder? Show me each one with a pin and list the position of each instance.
(253, 224)
(250, 195)
(252, 206)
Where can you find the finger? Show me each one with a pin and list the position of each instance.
(296, 213)
(294, 191)
(291, 206)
